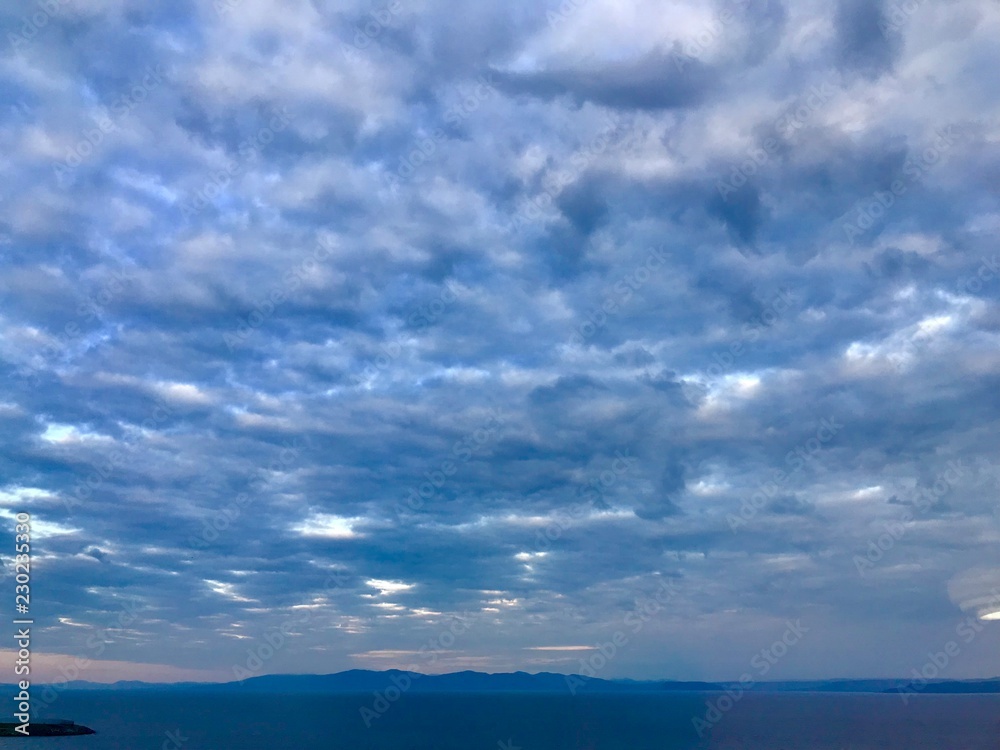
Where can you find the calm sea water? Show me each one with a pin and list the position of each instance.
(142, 720)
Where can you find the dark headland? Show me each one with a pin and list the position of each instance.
(57, 729)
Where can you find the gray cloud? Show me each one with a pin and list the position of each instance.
(237, 349)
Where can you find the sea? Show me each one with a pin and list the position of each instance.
(172, 720)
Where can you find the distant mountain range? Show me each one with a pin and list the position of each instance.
(367, 681)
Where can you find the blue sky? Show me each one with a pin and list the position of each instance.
(438, 336)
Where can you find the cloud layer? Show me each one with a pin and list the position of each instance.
(349, 322)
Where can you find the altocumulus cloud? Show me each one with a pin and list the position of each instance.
(277, 403)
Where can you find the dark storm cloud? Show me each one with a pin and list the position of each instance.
(660, 79)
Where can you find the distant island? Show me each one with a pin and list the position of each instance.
(46, 729)
(366, 681)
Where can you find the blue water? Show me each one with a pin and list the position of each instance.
(127, 720)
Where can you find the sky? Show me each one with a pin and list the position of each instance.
(628, 338)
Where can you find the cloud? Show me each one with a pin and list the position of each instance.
(368, 334)
(657, 80)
